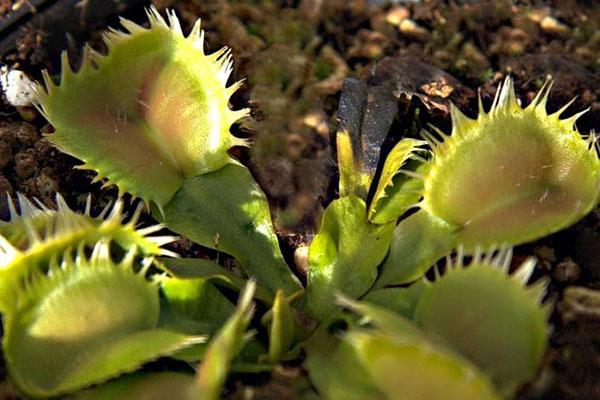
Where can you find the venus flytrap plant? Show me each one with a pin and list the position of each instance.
(84, 321)
(345, 253)
(147, 92)
(72, 319)
(509, 177)
(474, 325)
(152, 117)
(489, 315)
(390, 358)
(398, 188)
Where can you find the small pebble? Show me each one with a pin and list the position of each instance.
(554, 27)
(18, 89)
(545, 253)
(412, 29)
(317, 121)
(567, 271)
(301, 259)
(396, 15)
(473, 55)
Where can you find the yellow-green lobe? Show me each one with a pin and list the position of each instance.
(512, 175)
(150, 114)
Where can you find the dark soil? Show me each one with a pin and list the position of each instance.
(295, 56)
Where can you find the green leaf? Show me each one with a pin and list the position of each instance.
(86, 322)
(394, 360)
(147, 386)
(224, 347)
(190, 268)
(396, 191)
(344, 255)
(282, 328)
(410, 367)
(192, 307)
(418, 242)
(151, 113)
(127, 355)
(353, 179)
(381, 317)
(402, 300)
(226, 210)
(336, 371)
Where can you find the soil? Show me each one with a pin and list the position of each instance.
(416, 57)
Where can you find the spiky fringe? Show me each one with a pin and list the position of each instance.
(36, 237)
(47, 229)
(505, 103)
(499, 258)
(396, 164)
(92, 60)
(61, 270)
